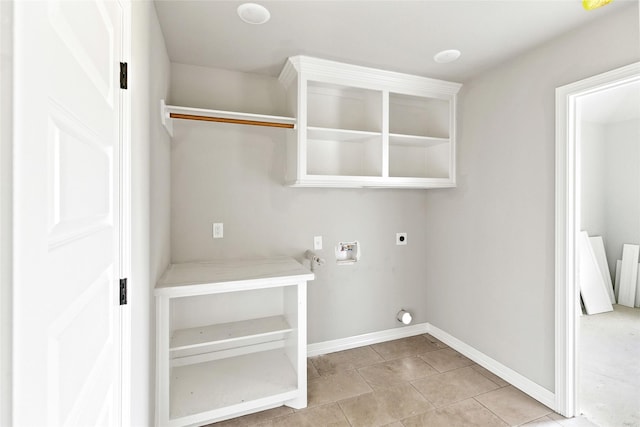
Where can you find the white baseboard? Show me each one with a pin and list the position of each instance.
(332, 346)
(534, 390)
(527, 386)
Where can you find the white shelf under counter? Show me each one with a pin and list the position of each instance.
(231, 339)
(202, 336)
(213, 389)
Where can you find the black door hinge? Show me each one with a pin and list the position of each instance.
(123, 291)
(123, 75)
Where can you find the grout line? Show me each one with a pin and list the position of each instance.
(425, 397)
(431, 366)
(374, 350)
(343, 413)
(484, 406)
(486, 377)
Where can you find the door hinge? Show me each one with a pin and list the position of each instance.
(123, 291)
(123, 75)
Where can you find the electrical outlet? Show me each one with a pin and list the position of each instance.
(401, 238)
(317, 243)
(218, 230)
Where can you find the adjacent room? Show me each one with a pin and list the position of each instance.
(609, 144)
(313, 212)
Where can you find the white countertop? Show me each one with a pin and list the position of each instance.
(227, 275)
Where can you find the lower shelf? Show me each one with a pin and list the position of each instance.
(205, 387)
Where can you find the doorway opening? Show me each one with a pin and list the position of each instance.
(569, 99)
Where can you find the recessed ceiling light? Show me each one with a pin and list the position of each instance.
(446, 56)
(252, 13)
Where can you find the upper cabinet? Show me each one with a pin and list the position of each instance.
(363, 127)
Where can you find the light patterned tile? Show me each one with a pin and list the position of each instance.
(405, 347)
(320, 416)
(331, 363)
(396, 371)
(513, 406)
(453, 386)
(435, 342)
(312, 372)
(446, 359)
(467, 413)
(493, 377)
(384, 406)
(331, 388)
(256, 418)
(543, 422)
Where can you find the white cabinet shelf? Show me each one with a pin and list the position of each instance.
(413, 140)
(362, 127)
(222, 333)
(329, 134)
(203, 390)
(231, 339)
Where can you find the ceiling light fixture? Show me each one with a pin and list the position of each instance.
(593, 4)
(446, 56)
(252, 13)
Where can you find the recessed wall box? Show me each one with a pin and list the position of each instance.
(347, 252)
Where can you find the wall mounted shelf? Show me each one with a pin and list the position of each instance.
(364, 127)
(173, 112)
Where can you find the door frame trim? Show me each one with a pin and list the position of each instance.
(566, 223)
(6, 209)
(125, 225)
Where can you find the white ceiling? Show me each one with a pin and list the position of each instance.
(397, 35)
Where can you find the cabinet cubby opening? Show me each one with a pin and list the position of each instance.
(419, 160)
(228, 333)
(228, 307)
(359, 156)
(213, 385)
(419, 116)
(340, 107)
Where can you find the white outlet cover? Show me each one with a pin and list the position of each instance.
(218, 230)
(401, 238)
(317, 243)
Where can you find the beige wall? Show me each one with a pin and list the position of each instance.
(490, 247)
(235, 174)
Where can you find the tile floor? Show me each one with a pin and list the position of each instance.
(411, 382)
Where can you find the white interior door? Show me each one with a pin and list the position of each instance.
(67, 212)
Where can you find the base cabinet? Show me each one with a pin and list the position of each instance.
(231, 340)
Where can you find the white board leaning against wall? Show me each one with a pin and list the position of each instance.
(592, 286)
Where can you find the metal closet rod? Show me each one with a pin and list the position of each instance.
(227, 120)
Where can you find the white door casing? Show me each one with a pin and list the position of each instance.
(567, 227)
(68, 213)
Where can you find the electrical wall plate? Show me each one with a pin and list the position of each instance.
(218, 230)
